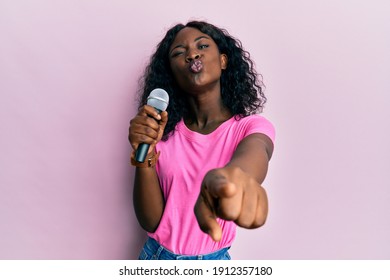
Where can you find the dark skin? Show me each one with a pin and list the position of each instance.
(232, 192)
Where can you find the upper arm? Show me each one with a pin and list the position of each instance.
(253, 154)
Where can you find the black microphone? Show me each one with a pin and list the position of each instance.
(158, 99)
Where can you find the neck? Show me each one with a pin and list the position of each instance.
(207, 112)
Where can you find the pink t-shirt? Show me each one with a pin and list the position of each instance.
(184, 160)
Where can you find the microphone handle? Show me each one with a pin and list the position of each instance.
(141, 152)
(143, 148)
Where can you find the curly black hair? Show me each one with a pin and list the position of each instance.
(241, 90)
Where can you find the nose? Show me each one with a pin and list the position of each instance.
(192, 56)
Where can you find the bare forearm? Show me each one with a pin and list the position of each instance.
(251, 158)
(148, 198)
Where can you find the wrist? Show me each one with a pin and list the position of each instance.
(150, 161)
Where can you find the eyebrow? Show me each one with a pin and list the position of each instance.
(196, 39)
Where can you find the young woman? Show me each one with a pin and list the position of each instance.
(210, 149)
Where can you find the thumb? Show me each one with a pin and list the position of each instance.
(164, 119)
(162, 123)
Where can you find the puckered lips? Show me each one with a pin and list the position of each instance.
(196, 66)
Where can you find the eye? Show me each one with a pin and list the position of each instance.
(203, 46)
(175, 54)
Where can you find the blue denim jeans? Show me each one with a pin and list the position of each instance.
(152, 250)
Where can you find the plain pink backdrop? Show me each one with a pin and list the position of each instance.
(68, 76)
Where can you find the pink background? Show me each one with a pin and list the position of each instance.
(68, 75)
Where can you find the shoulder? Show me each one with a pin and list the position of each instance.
(257, 124)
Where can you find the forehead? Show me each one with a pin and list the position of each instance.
(188, 34)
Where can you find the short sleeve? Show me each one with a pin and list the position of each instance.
(259, 124)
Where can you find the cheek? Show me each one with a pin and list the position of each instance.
(176, 74)
(217, 62)
(174, 70)
(216, 66)
(175, 67)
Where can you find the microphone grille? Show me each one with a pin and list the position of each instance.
(158, 98)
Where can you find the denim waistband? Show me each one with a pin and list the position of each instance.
(152, 250)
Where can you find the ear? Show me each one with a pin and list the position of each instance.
(224, 61)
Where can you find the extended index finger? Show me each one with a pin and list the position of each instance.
(206, 217)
